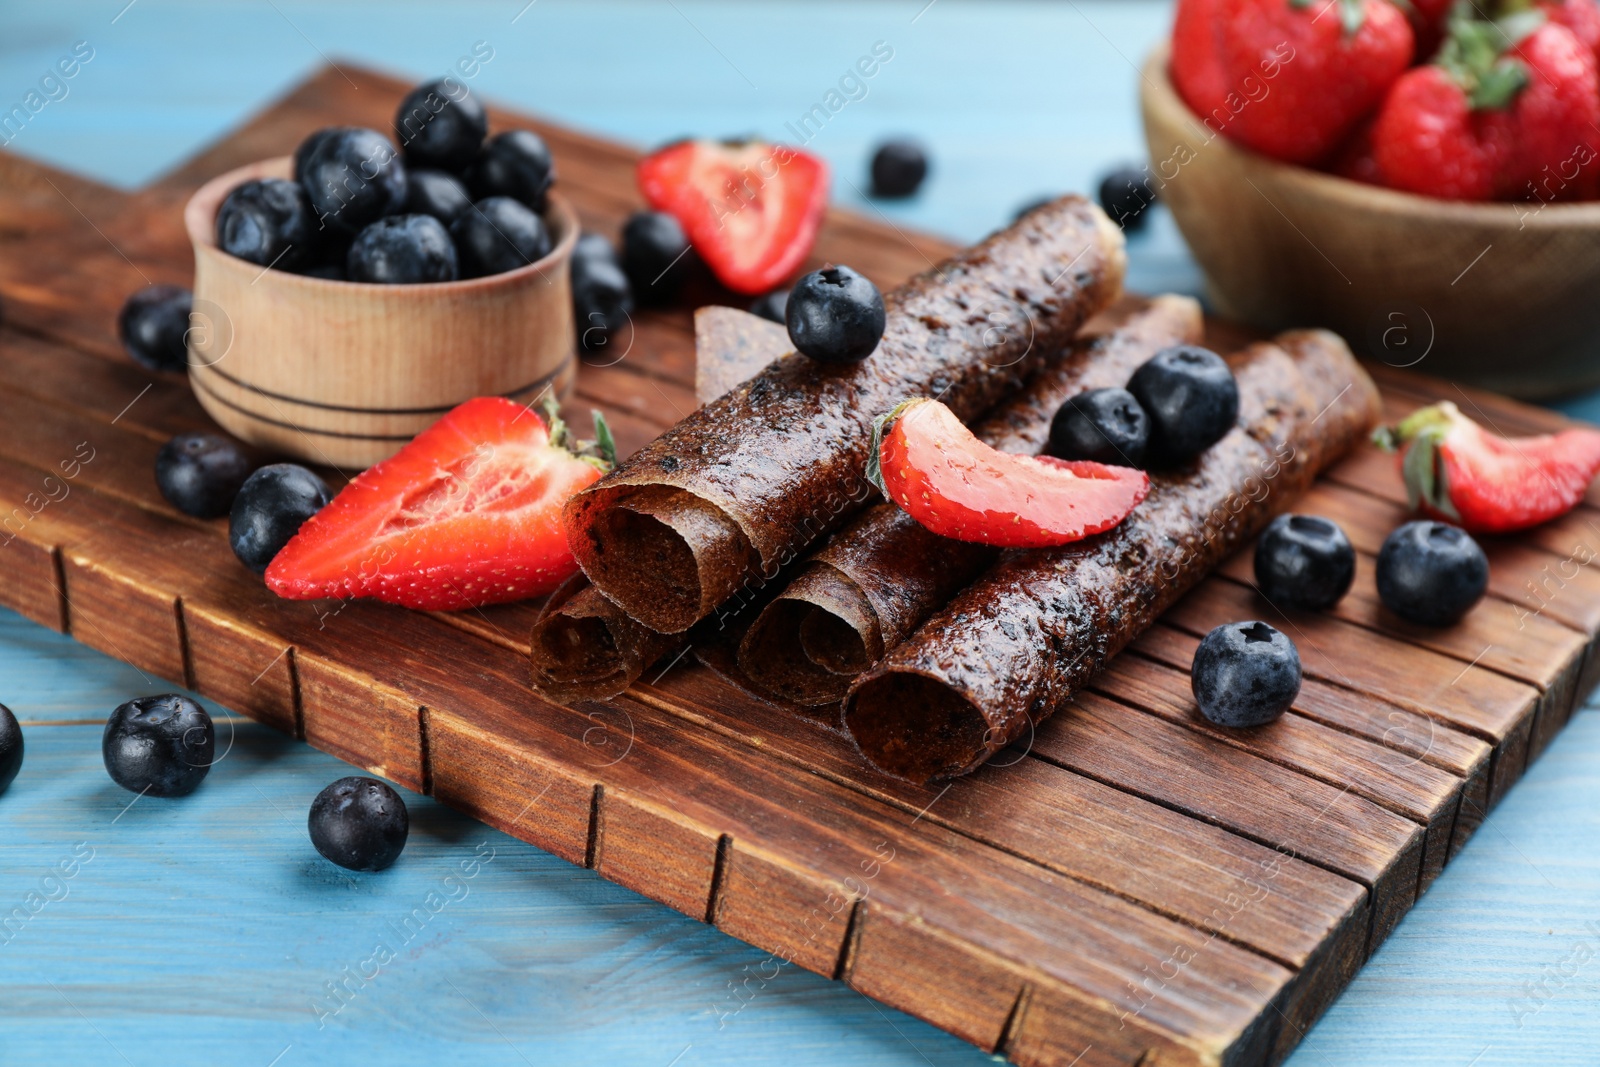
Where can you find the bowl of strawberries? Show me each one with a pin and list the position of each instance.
(1424, 180)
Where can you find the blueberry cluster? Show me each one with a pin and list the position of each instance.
(652, 267)
(450, 202)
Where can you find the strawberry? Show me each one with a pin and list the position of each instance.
(1429, 20)
(1582, 17)
(751, 210)
(958, 487)
(1288, 78)
(1429, 139)
(1557, 117)
(468, 513)
(1354, 159)
(1456, 471)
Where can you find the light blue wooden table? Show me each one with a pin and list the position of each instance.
(207, 931)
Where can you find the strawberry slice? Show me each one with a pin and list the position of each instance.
(750, 209)
(958, 487)
(1457, 471)
(468, 513)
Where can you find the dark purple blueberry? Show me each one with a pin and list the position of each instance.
(1245, 674)
(359, 823)
(655, 256)
(10, 748)
(269, 222)
(271, 506)
(302, 152)
(153, 325)
(201, 473)
(516, 164)
(1125, 194)
(497, 235)
(1191, 398)
(160, 745)
(433, 192)
(403, 250)
(835, 316)
(1431, 573)
(602, 300)
(353, 178)
(898, 168)
(1103, 425)
(773, 305)
(1304, 561)
(440, 124)
(594, 246)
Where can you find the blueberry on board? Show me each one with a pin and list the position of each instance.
(268, 222)
(517, 164)
(835, 316)
(499, 234)
(161, 745)
(1304, 561)
(270, 507)
(153, 325)
(359, 823)
(403, 250)
(10, 748)
(1125, 194)
(773, 305)
(1245, 674)
(594, 247)
(353, 178)
(433, 192)
(898, 168)
(602, 300)
(1431, 573)
(302, 152)
(1191, 398)
(440, 124)
(655, 256)
(1103, 425)
(200, 473)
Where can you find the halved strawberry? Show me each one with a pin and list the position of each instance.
(750, 209)
(1456, 471)
(958, 487)
(468, 513)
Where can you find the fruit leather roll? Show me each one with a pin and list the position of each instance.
(881, 576)
(1015, 646)
(714, 507)
(587, 648)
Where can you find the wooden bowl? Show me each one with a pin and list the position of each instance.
(344, 373)
(1506, 296)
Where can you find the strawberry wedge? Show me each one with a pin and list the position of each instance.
(467, 514)
(958, 487)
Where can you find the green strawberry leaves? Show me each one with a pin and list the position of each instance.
(601, 453)
(1352, 13)
(1422, 468)
(880, 427)
(1476, 54)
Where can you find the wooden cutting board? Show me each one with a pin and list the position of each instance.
(1135, 887)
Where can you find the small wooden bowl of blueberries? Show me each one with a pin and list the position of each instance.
(347, 297)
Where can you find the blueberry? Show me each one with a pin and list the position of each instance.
(1304, 561)
(655, 256)
(898, 168)
(835, 316)
(440, 124)
(497, 235)
(1245, 674)
(268, 222)
(359, 823)
(1431, 573)
(516, 164)
(773, 305)
(403, 250)
(353, 178)
(270, 507)
(1125, 194)
(433, 192)
(302, 154)
(161, 745)
(594, 247)
(1103, 425)
(153, 325)
(1191, 398)
(602, 300)
(10, 748)
(200, 473)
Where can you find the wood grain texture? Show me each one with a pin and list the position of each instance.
(1135, 886)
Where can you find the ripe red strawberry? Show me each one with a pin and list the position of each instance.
(468, 513)
(1582, 17)
(1557, 118)
(1456, 471)
(1429, 139)
(1429, 20)
(1288, 78)
(751, 210)
(958, 487)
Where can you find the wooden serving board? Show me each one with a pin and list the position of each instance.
(1134, 888)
